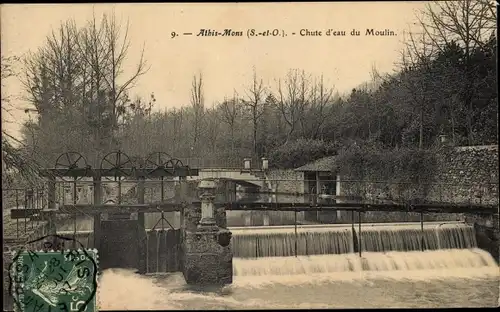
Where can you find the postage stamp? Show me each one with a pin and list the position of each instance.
(63, 280)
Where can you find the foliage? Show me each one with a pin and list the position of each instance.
(444, 86)
(299, 152)
(396, 165)
(18, 168)
(389, 173)
(75, 84)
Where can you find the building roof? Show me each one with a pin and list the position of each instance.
(325, 164)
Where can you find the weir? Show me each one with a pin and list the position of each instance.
(390, 261)
(393, 248)
(202, 247)
(255, 242)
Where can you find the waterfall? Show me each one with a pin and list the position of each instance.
(390, 261)
(342, 239)
(410, 238)
(268, 244)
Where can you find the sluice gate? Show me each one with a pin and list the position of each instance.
(115, 196)
(203, 246)
(162, 249)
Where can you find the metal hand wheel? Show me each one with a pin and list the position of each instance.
(69, 162)
(116, 161)
(173, 164)
(157, 160)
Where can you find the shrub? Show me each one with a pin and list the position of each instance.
(300, 152)
(403, 170)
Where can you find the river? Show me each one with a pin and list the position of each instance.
(434, 279)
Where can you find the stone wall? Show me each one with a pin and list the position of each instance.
(206, 252)
(487, 232)
(205, 259)
(467, 173)
(461, 175)
(286, 180)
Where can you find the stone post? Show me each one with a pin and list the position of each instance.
(208, 258)
(265, 164)
(247, 164)
(207, 222)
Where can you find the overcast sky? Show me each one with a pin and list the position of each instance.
(226, 62)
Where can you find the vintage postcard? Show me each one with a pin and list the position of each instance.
(201, 156)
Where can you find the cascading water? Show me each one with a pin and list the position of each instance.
(330, 249)
(342, 239)
(409, 238)
(282, 242)
(370, 261)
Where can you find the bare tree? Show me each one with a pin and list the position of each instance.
(320, 108)
(104, 49)
(293, 99)
(198, 106)
(7, 71)
(14, 160)
(470, 23)
(228, 115)
(52, 75)
(254, 103)
(213, 128)
(77, 78)
(416, 74)
(117, 53)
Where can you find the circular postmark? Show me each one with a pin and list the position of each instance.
(54, 280)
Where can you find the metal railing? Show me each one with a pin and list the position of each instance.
(286, 191)
(25, 204)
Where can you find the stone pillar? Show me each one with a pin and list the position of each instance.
(247, 164)
(338, 192)
(318, 191)
(208, 258)
(207, 221)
